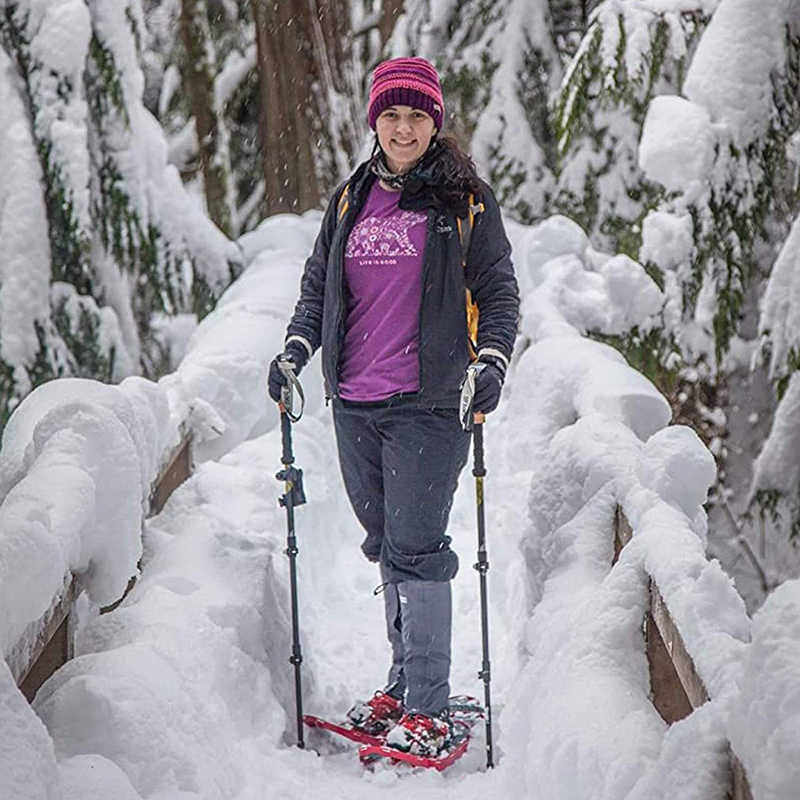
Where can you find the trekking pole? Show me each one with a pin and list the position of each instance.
(293, 496)
(474, 422)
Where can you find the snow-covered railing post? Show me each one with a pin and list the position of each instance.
(46, 643)
(177, 468)
(677, 688)
(741, 787)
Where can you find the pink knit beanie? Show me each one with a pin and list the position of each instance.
(406, 82)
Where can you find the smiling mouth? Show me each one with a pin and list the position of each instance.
(403, 144)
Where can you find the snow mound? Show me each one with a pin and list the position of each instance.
(221, 382)
(92, 777)
(678, 467)
(76, 467)
(730, 74)
(568, 289)
(667, 239)
(27, 761)
(562, 379)
(765, 724)
(677, 145)
(556, 236)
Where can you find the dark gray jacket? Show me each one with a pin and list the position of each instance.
(318, 318)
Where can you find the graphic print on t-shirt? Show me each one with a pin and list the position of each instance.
(383, 282)
(383, 236)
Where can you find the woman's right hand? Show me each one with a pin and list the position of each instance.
(277, 379)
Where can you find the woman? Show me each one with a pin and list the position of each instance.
(383, 294)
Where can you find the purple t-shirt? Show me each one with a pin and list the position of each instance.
(383, 273)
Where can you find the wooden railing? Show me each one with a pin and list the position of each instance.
(676, 687)
(48, 642)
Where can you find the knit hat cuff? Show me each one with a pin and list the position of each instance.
(405, 96)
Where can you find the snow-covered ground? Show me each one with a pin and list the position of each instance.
(185, 691)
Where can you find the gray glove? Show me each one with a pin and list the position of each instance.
(276, 379)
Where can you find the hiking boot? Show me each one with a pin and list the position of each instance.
(420, 734)
(376, 716)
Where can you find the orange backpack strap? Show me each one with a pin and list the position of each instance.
(344, 202)
(465, 227)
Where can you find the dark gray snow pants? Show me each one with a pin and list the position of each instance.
(401, 466)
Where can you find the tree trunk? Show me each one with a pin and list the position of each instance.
(199, 75)
(287, 73)
(390, 11)
(309, 99)
(335, 63)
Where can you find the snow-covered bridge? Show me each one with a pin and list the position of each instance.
(184, 689)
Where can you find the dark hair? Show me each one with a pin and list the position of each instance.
(455, 170)
(448, 171)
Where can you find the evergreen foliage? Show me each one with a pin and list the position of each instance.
(570, 20)
(166, 63)
(69, 237)
(120, 247)
(746, 205)
(628, 55)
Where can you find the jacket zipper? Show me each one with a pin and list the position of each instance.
(425, 269)
(340, 317)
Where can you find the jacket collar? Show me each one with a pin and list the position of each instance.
(416, 194)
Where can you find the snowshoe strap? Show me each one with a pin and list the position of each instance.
(465, 227)
(344, 203)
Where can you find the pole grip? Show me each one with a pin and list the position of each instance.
(479, 468)
(287, 456)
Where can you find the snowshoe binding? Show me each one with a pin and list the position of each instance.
(378, 715)
(368, 721)
(429, 742)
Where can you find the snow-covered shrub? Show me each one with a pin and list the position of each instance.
(776, 482)
(233, 62)
(741, 107)
(721, 152)
(764, 722)
(108, 237)
(631, 52)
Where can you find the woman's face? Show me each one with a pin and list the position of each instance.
(404, 134)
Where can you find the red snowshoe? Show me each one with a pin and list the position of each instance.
(417, 743)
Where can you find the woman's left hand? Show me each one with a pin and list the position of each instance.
(488, 385)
